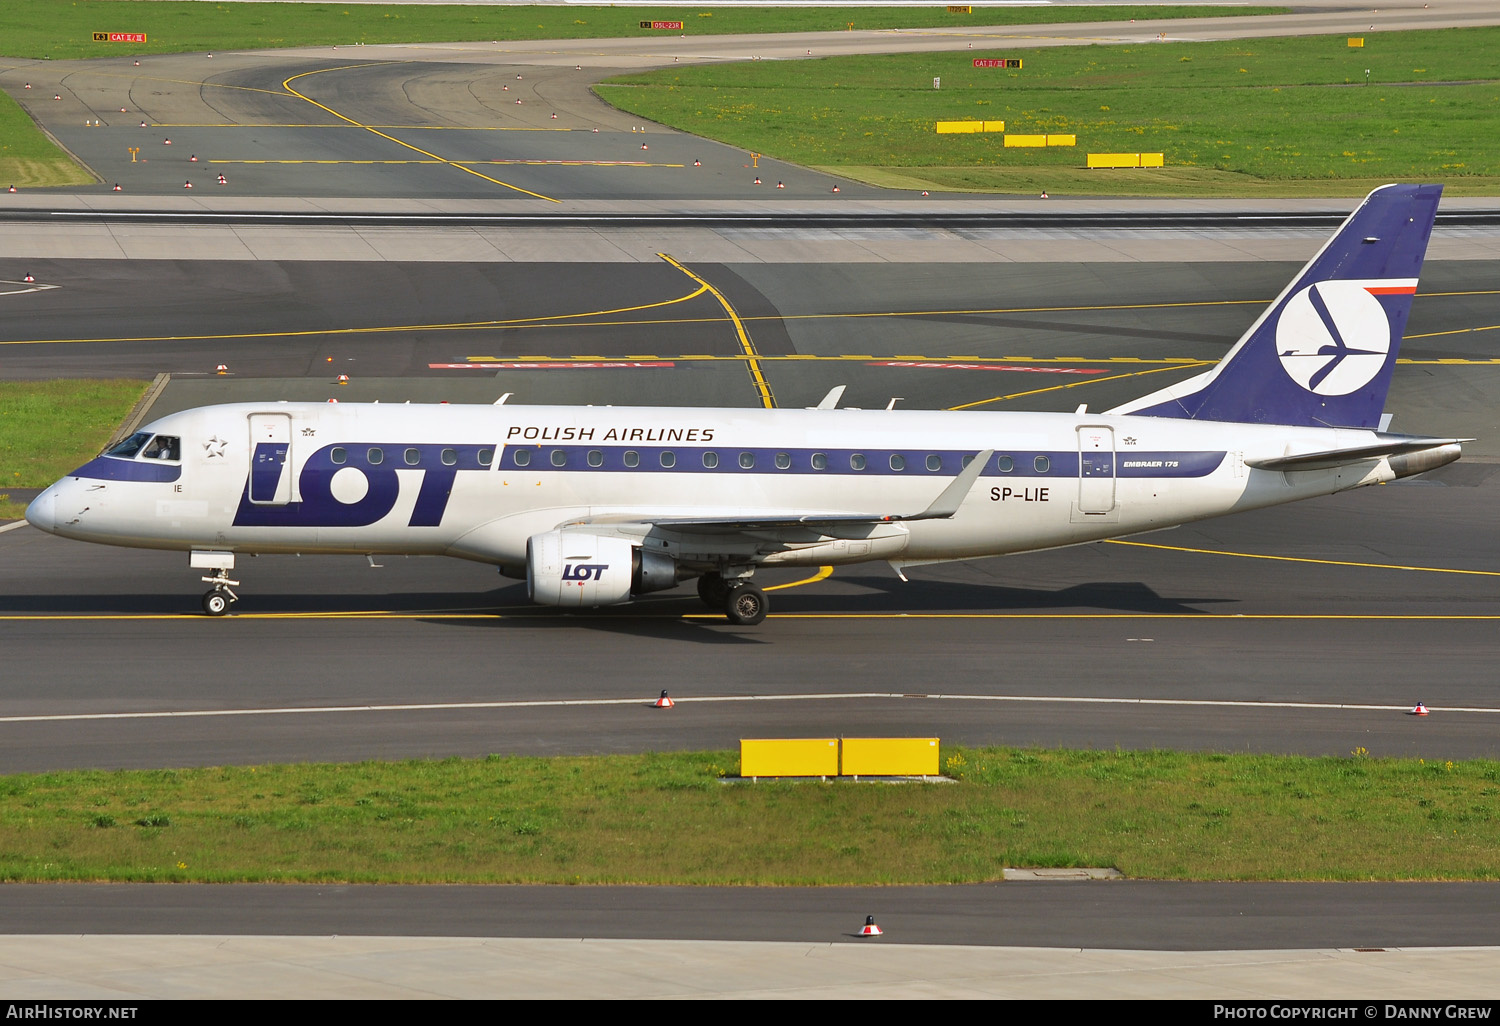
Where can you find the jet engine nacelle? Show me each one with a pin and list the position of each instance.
(577, 568)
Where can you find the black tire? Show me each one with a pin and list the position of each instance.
(713, 590)
(746, 605)
(215, 603)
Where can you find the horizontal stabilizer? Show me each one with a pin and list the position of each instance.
(1331, 458)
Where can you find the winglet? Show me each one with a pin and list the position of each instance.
(946, 504)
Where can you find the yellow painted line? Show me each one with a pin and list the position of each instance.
(823, 573)
(1113, 616)
(537, 162)
(1455, 331)
(1072, 384)
(367, 614)
(387, 128)
(287, 85)
(762, 388)
(537, 612)
(1305, 559)
(562, 320)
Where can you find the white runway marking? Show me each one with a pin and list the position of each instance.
(645, 701)
(22, 287)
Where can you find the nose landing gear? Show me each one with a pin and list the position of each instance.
(216, 601)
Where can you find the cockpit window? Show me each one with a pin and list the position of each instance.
(127, 449)
(163, 447)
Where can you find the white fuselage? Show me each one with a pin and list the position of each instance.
(477, 481)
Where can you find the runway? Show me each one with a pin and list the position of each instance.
(1307, 629)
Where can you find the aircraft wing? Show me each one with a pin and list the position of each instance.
(941, 508)
(1331, 458)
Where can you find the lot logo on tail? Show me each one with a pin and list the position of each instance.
(1333, 337)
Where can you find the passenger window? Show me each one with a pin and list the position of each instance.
(820, 461)
(935, 462)
(520, 457)
(338, 455)
(376, 457)
(1005, 464)
(747, 460)
(668, 458)
(559, 458)
(596, 458)
(783, 461)
(486, 457)
(163, 447)
(964, 463)
(632, 458)
(128, 448)
(710, 460)
(857, 462)
(450, 458)
(1042, 464)
(898, 462)
(413, 457)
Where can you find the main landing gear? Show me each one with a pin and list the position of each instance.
(742, 602)
(217, 599)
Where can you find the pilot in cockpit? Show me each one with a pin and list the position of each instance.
(163, 447)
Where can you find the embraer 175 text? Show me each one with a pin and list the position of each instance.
(596, 505)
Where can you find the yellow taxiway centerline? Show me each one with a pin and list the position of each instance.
(287, 85)
(757, 376)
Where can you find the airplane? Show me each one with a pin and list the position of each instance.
(595, 506)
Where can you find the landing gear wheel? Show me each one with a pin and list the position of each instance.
(215, 603)
(746, 604)
(713, 590)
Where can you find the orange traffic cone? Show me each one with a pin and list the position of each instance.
(1419, 710)
(664, 702)
(870, 929)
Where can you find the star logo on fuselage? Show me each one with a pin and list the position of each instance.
(214, 447)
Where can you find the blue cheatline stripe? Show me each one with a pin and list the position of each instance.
(843, 462)
(111, 468)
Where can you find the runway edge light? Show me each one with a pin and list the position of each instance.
(664, 702)
(870, 929)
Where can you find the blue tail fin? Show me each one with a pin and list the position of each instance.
(1322, 354)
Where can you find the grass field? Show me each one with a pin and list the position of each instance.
(1256, 117)
(49, 427)
(28, 158)
(49, 29)
(46, 29)
(674, 819)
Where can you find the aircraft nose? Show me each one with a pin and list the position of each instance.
(42, 512)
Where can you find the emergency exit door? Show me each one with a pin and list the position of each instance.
(1096, 469)
(270, 459)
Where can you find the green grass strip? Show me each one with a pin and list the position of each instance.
(28, 157)
(1263, 116)
(676, 818)
(47, 428)
(49, 29)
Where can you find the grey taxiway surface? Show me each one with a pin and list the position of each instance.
(1371, 602)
